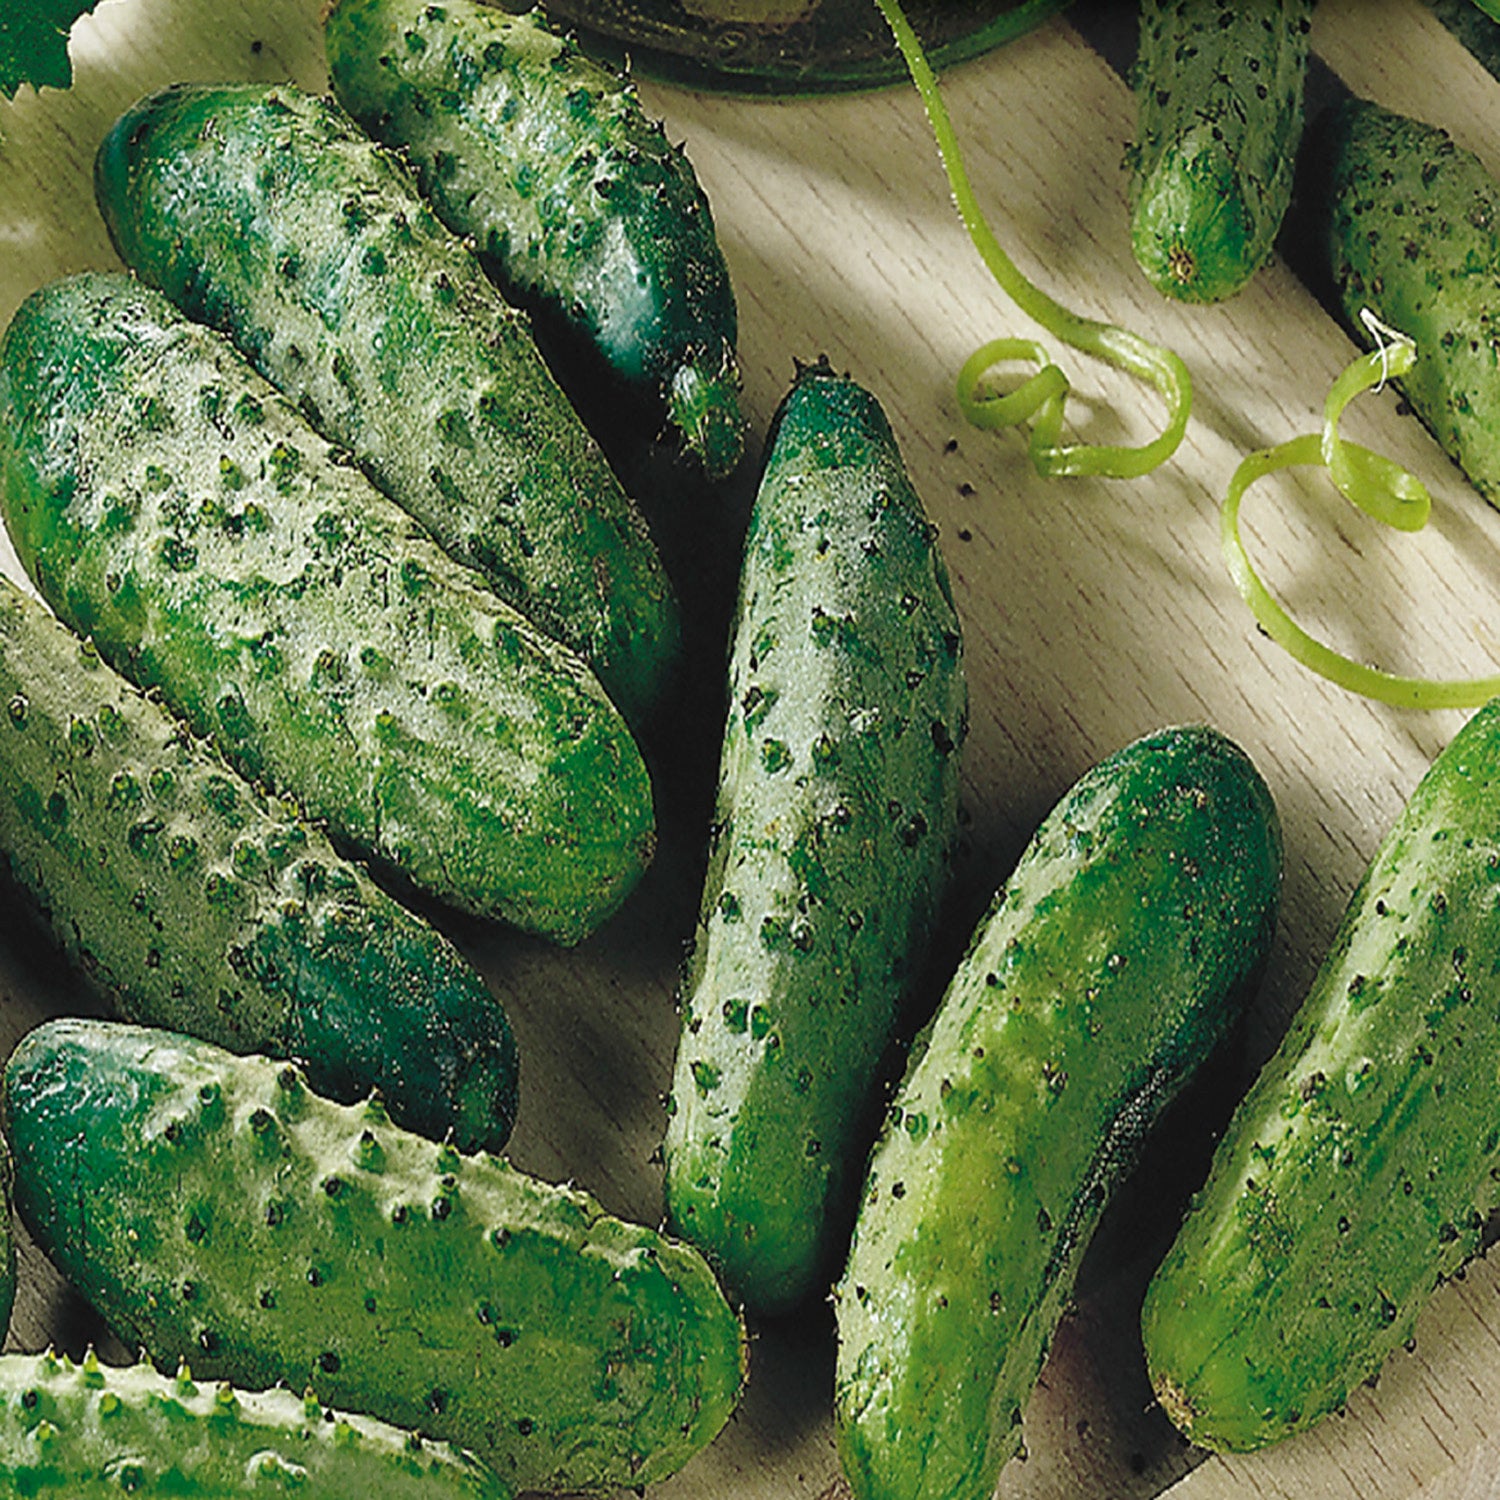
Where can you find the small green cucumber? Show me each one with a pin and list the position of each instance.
(1219, 114)
(1407, 224)
(1114, 959)
(580, 208)
(214, 1209)
(170, 505)
(89, 1431)
(1359, 1170)
(193, 900)
(836, 810)
(266, 213)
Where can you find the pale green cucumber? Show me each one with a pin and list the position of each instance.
(836, 810)
(172, 507)
(1359, 1171)
(192, 899)
(214, 1209)
(268, 214)
(1112, 962)
(87, 1431)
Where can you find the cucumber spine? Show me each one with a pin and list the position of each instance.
(1112, 961)
(835, 816)
(193, 900)
(169, 504)
(213, 1208)
(267, 214)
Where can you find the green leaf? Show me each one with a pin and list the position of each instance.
(34, 43)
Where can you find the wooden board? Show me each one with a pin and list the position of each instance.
(1094, 611)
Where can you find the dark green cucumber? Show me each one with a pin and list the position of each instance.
(580, 208)
(169, 504)
(1219, 115)
(836, 810)
(268, 214)
(1359, 1170)
(91, 1432)
(1112, 962)
(214, 1209)
(193, 900)
(1407, 224)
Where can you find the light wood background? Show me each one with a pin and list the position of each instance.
(1094, 611)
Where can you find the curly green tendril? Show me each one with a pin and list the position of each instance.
(1374, 484)
(1041, 398)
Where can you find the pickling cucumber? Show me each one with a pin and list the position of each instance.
(579, 207)
(836, 810)
(1110, 964)
(266, 213)
(1219, 116)
(193, 900)
(88, 1431)
(214, 1209)
(1358, 1172)
(1407, 223)
(172, 507)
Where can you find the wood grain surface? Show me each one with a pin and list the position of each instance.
(1094, 611)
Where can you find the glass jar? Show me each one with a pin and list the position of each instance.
(790, 46)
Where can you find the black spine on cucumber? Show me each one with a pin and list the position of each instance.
(172, 506)
(1406, 223)
(580, 207)
(268, 214)
(90, 1431)
(1219, 104)
(193, 900)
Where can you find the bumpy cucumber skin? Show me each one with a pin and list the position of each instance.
(269, 215)
(214, 1209)
(1113, 960)
(1219, 113)
(91, 1432)
(195, 901)
(1360, 1168)
(169, 504)
(579, 206)
(1408, 225)
(836, 811)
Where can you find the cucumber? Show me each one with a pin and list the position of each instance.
(835, 815)
(1111, 963)
(268, 214)
(88, 1431)
(7, 1243)
(171, 506)
(1219, 117)
(1358, 1171)
(1406, 223)
(580, 208)
(193, 900)
(214, 1209)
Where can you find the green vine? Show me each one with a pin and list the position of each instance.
(1041, 399)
